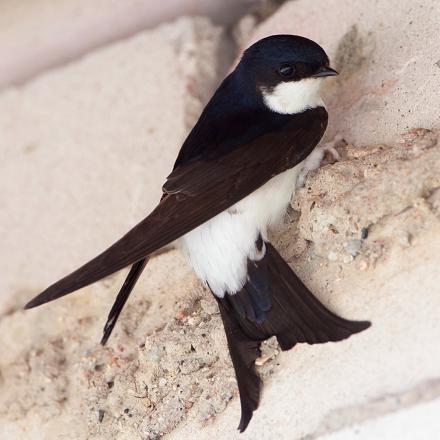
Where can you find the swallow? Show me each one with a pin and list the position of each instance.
(233, 178)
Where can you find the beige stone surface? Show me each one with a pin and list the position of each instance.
(166, 369)
(363, 234)
(420, 421)
(85, 149)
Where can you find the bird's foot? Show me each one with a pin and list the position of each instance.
(316, 157)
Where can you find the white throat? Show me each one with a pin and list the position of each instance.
(294, 96)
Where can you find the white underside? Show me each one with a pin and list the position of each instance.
(219, 249)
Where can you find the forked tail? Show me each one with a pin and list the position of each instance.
(274, 302)
(121, 298)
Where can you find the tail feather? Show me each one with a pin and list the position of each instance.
(244, 352)
(121, 298)
(274, 302)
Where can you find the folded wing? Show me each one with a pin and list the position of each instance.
(197, 191)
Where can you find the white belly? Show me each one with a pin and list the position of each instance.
(219, 249)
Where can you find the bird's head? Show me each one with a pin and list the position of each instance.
(286, 71)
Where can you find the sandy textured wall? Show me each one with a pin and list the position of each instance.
(84, 151)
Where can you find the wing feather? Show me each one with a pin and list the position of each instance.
(197, 191)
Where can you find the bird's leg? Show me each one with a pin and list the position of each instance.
(313, 161)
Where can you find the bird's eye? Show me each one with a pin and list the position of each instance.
(286, 70)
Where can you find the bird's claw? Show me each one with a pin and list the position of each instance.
(315, 158)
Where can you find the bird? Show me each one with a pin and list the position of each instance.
(232, 181)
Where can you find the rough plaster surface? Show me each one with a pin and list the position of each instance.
(363, 234)
(167, 361)
(404, 425)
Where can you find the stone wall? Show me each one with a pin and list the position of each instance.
(84, 150)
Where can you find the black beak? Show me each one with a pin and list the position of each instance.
(325, 71)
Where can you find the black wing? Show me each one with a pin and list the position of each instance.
(204, 185)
